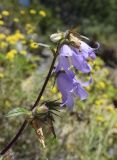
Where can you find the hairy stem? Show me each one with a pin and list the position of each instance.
(20, 131)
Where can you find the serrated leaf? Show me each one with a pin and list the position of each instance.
(17, 112)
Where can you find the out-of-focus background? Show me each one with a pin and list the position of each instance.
(90, 131)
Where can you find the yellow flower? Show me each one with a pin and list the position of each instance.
(3, 45)
(115, 125)
(22, 12)
(12, 39)
(23, 52)
(5, 13)
(11, 54)
(99, 102)
(29, 31)
(28, 25)
(100, 118)
(32, 11)
(97, 68)
(2, 36)
(34, 45)
(88, 88)
(23, 41)
(105, 96)
(42, 13)
(101, 85)
(19, 35)
(54, 90)
(110, 109)
(0, 16)
(1, 23)
(16, 20)
(1, 75)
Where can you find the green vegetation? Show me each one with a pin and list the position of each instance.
(90, 131)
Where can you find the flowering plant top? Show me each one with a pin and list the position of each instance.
(73, 55)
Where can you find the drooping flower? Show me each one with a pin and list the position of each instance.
(70, 88)
(76, 57)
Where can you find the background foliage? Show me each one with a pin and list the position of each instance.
(90, 131)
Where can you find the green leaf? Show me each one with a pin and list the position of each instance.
(17, 112)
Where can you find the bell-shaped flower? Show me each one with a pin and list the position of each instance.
(76, 57)
(70, 88)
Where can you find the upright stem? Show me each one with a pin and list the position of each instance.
(35, 104)
(45, 83)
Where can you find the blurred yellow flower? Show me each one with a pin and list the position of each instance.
(19, 35)
(29, 31)
(110, 109)
(1, 75)
(100, 118)
(23, 52)
(105, 95)
(2, 36)
(0, 16)
(1, 23)
(34, 45)
(115, 125)
(99, 102)
(101, 85)
(28, 25)
(11, 54)
(12, 39)
(5, 13)
(97, 68)
(23, 41)
(22, 12)
(32, 11)
(3, 45)
(16, 20)
(54, 90)
(88, 88)
(42, 13)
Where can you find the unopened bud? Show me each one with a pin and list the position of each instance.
(41, 109)
(56, 37)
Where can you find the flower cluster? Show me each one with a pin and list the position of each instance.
(73, 56)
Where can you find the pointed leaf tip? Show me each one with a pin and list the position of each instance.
(17, 112)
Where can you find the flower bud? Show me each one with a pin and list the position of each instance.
(41, 109)
(56, 37)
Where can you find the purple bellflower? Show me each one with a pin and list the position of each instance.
(68, 85)
(70, 88)
(76, 57)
